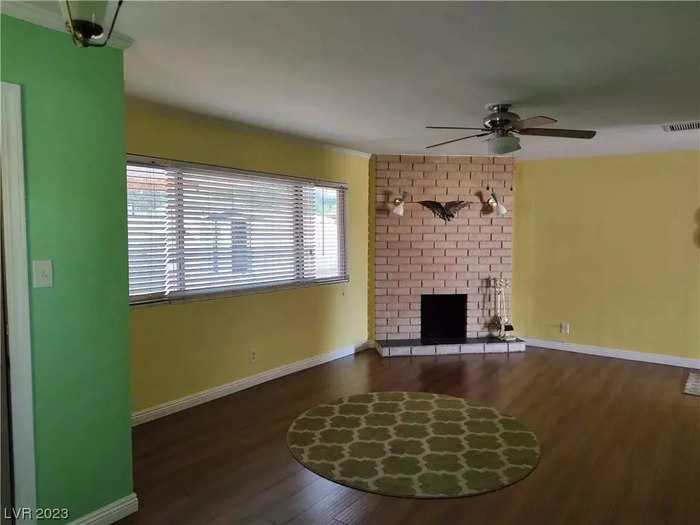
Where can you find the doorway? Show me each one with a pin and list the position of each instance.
(18, 490)
(6, 502)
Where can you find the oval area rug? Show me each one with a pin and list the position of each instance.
(413, 444)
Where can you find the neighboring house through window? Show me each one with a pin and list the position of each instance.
(197, 230)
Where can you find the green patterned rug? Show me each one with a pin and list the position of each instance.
(413, 444)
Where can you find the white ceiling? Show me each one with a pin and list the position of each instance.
(369, 76)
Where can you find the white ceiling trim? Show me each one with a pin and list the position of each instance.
(50, 19)
(344, 151)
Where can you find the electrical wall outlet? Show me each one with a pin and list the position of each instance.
(565, 328)
(253, 356)
(42, 274)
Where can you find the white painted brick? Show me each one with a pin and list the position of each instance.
(384, 352)
(518, 346)
(446, 349)
(472, 348)
(396, 351)
(423, 350)
(495, 348)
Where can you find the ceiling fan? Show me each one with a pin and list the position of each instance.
(505, 126)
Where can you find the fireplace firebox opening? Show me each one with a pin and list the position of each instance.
(443, 317)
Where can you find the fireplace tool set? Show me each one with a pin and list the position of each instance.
(502, 321)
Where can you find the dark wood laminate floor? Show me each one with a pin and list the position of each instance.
(620, 444)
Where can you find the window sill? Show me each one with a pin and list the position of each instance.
(225, 294)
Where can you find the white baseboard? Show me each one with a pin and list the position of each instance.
(661, 359)
(110, 513)
(158, 411)
(370, 343)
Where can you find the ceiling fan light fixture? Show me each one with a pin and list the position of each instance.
(502, 123)
(503, 143)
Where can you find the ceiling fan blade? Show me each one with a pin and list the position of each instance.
(456, 140)
(453, 127)
(564, 133)
(533, 122)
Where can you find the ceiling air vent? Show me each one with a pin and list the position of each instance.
(682, 126)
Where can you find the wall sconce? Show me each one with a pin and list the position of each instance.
(86, 20)
(495, 205)
(396, 204)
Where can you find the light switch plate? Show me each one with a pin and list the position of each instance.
(42, 274)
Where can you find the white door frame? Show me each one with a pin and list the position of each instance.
(17, 292)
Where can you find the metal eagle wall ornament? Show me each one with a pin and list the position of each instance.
(446, 212)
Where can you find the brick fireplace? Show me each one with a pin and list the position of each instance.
(419, 254)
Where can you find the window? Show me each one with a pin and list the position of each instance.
(197, 230)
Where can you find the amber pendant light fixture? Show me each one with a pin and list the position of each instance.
(86, 20)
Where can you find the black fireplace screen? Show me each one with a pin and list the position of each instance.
(443, 316)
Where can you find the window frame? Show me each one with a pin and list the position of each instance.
(155, 299)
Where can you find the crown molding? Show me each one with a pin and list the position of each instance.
(345, 151)
(34, 14)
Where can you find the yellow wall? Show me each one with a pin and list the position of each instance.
(186, 348)
(612, 246)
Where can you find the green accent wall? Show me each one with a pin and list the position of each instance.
(74, 140)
